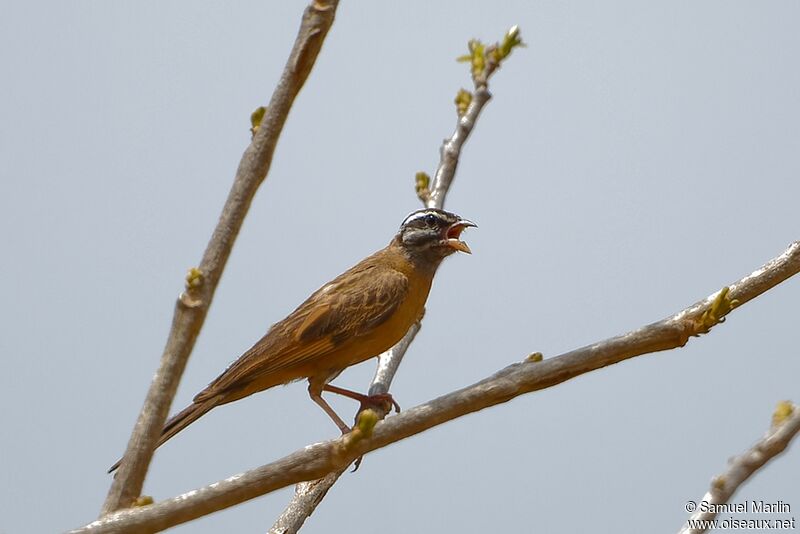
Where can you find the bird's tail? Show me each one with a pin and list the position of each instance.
(178, 422)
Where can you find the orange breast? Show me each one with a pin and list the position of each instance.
(387, 334)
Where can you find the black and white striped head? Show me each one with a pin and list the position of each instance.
(433, 232)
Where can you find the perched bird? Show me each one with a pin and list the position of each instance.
(358, 315)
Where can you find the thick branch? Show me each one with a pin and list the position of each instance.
(192, 307)
(315, 461)
(743, 467)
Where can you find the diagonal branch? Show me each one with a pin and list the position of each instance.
(192, 306)
(308, 495)
(785, 426)
(315, 461)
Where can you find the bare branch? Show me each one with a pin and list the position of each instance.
(315, 461)
(308, 495)
(484, 61)
(785, 426)
(192, 306)
(451, 149)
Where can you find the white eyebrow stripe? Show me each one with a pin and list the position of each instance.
(417, 215)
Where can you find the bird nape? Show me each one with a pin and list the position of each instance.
(356, 316)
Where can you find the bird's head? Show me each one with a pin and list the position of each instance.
(433, 234)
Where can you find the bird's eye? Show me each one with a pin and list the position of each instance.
(431, 219)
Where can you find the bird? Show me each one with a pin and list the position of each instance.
(356, 316)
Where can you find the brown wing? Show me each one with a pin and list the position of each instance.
(349, 306)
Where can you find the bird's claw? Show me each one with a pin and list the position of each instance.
(383, 401)
(357, 464)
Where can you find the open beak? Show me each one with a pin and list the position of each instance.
(453, 235)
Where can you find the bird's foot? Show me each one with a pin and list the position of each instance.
(382, 401)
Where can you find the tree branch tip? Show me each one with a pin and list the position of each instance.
(783, 411)
(511, 40)
(484, 60)
(534, 357)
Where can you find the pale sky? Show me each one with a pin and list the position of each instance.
(636, 157)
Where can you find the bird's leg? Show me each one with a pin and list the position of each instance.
(315, 392)
(384, 401)
(380, 399)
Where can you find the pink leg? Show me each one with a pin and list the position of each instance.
(316, 395)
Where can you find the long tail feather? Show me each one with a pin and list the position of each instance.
(178, 422)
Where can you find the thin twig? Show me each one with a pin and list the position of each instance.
(192, 306)
(315, 461)
(451, 149)
(786, 426)
(308, 495)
